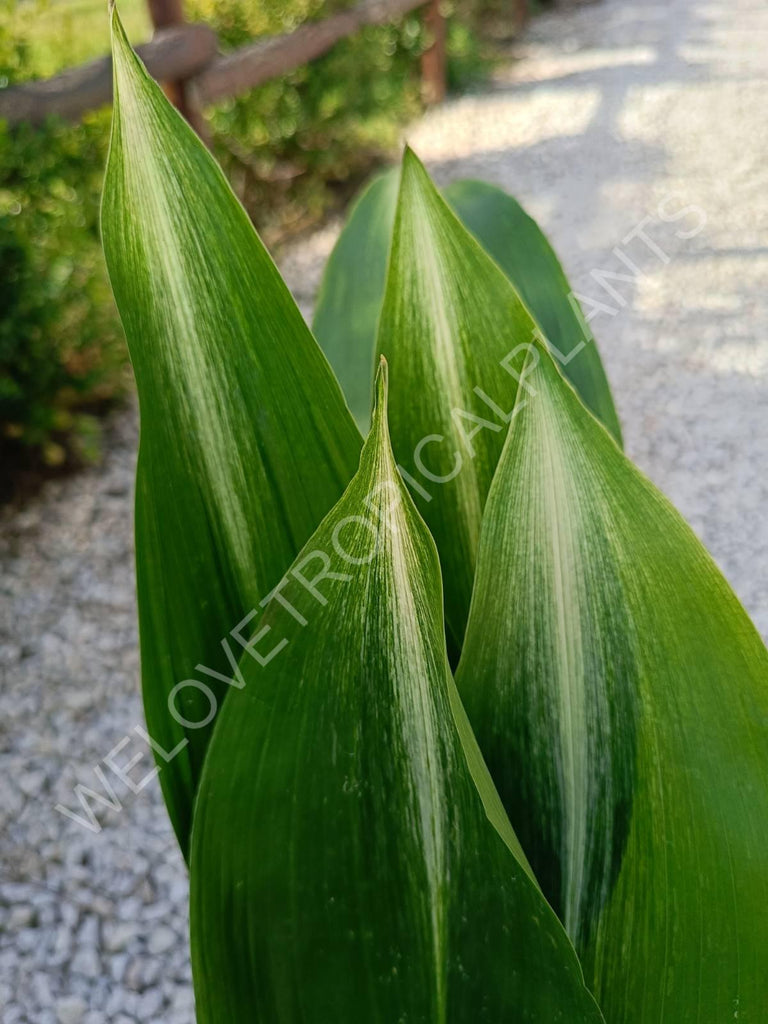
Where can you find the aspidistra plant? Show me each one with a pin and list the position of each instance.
(350, 857)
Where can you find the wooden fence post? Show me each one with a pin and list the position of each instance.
(167, 14)
(433, 60)
(521, 15)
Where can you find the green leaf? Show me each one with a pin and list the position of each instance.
(451, 326)
(352, 289)
(620, 695)
(349, 300)
(521, 249)
(344, 867)
(245, 439)
(447, 328)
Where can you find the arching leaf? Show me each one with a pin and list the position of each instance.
(452, 328)
(620, 695)
(345, 866)
(245, 439)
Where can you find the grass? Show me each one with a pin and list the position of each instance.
(62, 33)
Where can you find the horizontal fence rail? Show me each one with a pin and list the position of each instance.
(189, 53)
(265, 59)
(173, 53)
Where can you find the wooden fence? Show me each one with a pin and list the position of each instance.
(186, 59)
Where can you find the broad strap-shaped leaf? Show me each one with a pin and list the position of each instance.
(519, 246)
(454, 331)
(345, 866)
(620, 695)
(349, 300)
(245, 439)
(352, 290)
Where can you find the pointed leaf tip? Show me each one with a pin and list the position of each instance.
(417, 190)
(117, 31)
(409, 157)
(414, 174)
(381, 388)
(382, 375)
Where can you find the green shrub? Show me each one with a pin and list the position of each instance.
(61, 347)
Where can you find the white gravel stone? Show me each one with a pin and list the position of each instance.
(71, 1009)
(41, 988)
(88, 932)
(87, 963)
(120, 936)
(162, 940)
(21, 917)
(117, 966)
(149, 1004)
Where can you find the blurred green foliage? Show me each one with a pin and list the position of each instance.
(62, 354)
(289, 145)
(59, 34)
(291, 148)
(296, 145)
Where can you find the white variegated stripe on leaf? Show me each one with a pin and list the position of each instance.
(245, 438)
(620, 695)
(421, 279)
(448, 321)
(582, 710)
(446, 335)
(350, 858)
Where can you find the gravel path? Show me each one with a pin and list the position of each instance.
(616, 116)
